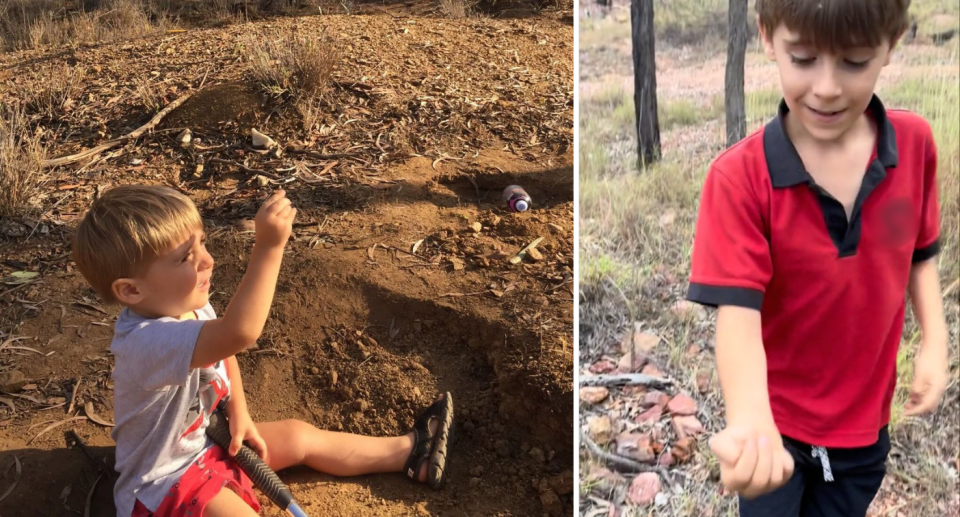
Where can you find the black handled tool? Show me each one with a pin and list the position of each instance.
(262, 476)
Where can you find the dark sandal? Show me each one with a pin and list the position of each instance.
(429, 447)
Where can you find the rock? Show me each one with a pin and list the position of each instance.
(537, 454)
(333, 377)
(502, 449)
(651, 370)
(603, 366)
(534, 255)
(551, 503)
(636, 446)
(684, 448)
(12, 381)
(458, 264)
(600, 429)
(656, 398)
(314, 370)
(703, 382)
(661, 499)
(651, 415)
(185, 137)
(644, 488)
(633, 391)
(262, 181)
(476, 227)
(261, 141)
(360, 406)
(13, 229)
(687, 426)
(665, 459)
(605, 481)
(594, 395)
(682, 405)
(631, 362)
(688, 309)
(645, 341)
(562, 483)
(555, 228)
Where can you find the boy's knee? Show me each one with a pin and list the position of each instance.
(297, 435)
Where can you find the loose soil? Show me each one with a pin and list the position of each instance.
(387, 295)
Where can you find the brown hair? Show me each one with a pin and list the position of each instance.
(835, 25)
(126, 229)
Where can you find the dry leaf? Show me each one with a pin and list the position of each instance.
(88, 409)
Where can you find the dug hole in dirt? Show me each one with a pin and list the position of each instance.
(397, 283)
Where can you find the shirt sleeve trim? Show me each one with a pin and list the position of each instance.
(927, 252)
(715, 296)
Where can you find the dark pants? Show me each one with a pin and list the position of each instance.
(857, 474)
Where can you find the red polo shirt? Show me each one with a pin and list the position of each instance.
(831, 292)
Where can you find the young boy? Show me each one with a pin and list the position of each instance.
(810, 232)
(144, 248)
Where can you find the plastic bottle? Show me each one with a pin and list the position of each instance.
(516, 198)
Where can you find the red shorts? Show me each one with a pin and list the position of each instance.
(200, 483)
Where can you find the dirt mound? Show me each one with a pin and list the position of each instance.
(235, 105)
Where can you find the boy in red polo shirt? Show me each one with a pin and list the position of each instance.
(810, 232)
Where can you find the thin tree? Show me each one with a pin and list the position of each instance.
(645, 81)
(733, 98)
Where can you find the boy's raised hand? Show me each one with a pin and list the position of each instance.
(752, 461)
(274, 220)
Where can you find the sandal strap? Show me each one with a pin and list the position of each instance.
(419, 454)
(434, 411)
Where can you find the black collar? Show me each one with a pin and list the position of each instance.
(784, 164)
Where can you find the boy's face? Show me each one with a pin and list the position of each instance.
(176, 282)
(827, 93)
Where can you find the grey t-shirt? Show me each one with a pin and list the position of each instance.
(161, 406)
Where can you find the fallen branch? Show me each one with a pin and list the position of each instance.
(73, 158)
(625, 379)
(625, 465)
(73, 397)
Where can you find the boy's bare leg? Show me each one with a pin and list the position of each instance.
(294, 442)
(228, 504)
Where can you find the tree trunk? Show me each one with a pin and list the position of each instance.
(645, 81)
(733, 100)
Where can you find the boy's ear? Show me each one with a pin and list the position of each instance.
(765, 39)
(126, 291)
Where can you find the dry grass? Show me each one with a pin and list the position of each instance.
(150, 98)
(21, 156)
(297, 67)
(457, 9)
(37, 23)
(56, 93)
(636, 229)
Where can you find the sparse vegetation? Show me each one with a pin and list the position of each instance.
(21, 155)
(58, 91)
(455, 8)
(297, 67)
(147, 93)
